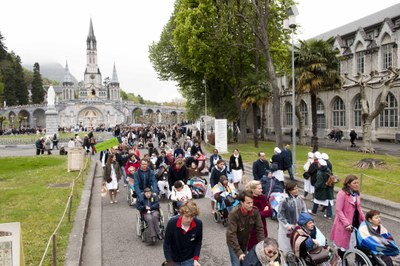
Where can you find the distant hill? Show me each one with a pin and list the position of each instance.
(52, 71)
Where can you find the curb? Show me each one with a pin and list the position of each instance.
(76, 238)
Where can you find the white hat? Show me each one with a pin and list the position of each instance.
(325, 156)
(317, 155)
(277, 150)
(322, 162)
(310, 155)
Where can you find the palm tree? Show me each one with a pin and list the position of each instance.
(317, 68)
(257, 92)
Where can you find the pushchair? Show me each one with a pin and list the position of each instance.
(223, 208)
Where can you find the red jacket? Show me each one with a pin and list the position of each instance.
(260, 202)
(130, 163)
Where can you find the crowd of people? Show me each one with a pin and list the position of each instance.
(170, 166)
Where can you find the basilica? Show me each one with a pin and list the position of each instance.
(92, 103)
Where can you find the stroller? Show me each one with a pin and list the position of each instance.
(198, 186)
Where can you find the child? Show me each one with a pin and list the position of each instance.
(181, 193)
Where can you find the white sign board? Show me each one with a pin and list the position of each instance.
(221, 135)
(11, 252)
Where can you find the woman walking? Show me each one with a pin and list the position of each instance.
(236, 167)
(264, 208)
(111, 176)
(349, 215)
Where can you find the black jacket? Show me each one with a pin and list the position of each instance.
(180, 246)
(260, 169)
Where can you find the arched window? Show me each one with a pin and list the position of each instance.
(388, 117)
(288, 114)
(320, 115)
(357, 112)
(339, 113)
(304, 111)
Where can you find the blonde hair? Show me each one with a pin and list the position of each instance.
(252, 184)
(190, 209)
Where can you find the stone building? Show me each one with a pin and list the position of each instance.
(91, 103)
(368, 44)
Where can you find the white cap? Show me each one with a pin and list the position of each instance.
(317, 155)
(310, 155)
(277, 150)
(322, 162)
(325, 156)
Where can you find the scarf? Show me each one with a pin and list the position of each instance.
(236, 160)
(262, 258)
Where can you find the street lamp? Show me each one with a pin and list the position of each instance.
(290, 23)
(205, 111)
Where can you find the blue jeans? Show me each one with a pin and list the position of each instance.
(234, 258)
(290, 172)
(188, 262)
(328, 209)
(123, 175)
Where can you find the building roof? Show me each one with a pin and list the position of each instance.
(375, 18)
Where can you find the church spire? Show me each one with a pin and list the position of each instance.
(114, 79)
(91, 39)
(67, 80)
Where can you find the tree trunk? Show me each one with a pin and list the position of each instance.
(255, 137)
(263, 120)
(300, 117)
(367, 143)
(314, 138)
(243, 127)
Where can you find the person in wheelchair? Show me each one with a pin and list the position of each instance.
(265, 252)
(225, 194)
(306, 237)
(180, 194)
(161, 175)
(148, 206)
(375, 238)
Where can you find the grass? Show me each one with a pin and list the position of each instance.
(380, 182)
(25, 197)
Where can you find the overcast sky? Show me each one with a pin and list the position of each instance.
(56, 31)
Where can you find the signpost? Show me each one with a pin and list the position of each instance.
(11, 251)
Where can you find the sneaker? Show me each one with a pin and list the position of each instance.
(111, 202)
(310, 212)
(124, 185)
(330, 218)
(118, 190)
(153, 239)
(115, 201)
(160, 236)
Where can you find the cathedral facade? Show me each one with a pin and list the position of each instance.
(94, 102)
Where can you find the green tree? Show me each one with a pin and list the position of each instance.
(21, 88)
(317, 68)
(8, 79)
(257, 92)
(37, 85)
(3, 48)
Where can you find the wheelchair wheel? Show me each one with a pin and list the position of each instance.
(138, 224)
(162, 224)
(217, 217)
(171, 210)
(355, 257)
(292, 260)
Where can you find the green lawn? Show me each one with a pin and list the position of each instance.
(381, 182)
(25, 197)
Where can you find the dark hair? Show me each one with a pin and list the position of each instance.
(178, 184)
(244, 194)
(222, 178)
(290, 186)
(220, 161)
(347, 181)
(371, 214)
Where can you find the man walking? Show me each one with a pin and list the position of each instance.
(183, 237)
(241, 221)
(287, 161)
(260, 167)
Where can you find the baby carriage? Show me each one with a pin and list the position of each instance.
(198, 186)
(224, 204)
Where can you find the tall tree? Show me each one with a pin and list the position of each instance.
(21, 88)
(317, 68)
(8, 80)
(37, 85)
(387, 81)
(3, 48)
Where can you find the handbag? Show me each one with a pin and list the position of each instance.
(318, 255)
(332, 179)
(109, 179)
(229, 200)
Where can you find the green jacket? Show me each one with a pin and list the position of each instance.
(322, 191)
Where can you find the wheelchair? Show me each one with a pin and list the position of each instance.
(142, 226)
(173, 209)
(361, 257)
(130, 195)
(222, 211)
(293, 260)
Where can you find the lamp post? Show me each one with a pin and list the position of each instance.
(205, 111)
(290, 23)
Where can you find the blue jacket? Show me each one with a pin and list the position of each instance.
(260, 169)
(287, 159)
(152, 202)
(143, 180)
